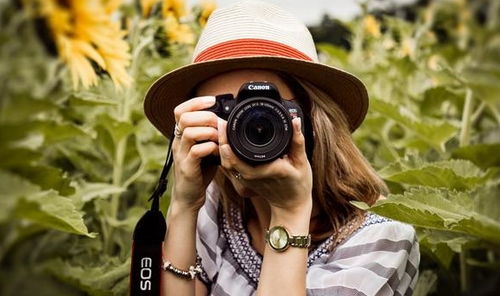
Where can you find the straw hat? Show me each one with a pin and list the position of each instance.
(253, 34)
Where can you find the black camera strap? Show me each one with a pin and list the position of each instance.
(147, 246)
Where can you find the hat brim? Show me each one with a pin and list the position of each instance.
(173, 88)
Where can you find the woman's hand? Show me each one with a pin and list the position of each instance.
(199, 139)
(286, 183)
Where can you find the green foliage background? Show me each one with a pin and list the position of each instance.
(77, 167)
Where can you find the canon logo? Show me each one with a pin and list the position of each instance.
(258, 87)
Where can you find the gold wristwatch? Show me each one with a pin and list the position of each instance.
(279, 239)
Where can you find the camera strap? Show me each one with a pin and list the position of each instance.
(147, 246)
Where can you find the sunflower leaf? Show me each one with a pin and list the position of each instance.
(439, 209)
(434, 132)
(13, 187)
(453, 174)
(53, 211)
(483, 155)
(98, 281)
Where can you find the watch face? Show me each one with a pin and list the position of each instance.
(278, 238)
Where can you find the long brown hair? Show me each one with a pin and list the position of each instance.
(340, 172)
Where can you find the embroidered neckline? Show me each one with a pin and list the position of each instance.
(250, 261)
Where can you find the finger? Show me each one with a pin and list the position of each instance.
(230, 161)
(197, 118)
(194, 104)
(297, 152)
(192, 135)
(198, 151)
(279, 168)
(221, 127)
(226, 154)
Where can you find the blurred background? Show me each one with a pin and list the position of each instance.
(78, 159)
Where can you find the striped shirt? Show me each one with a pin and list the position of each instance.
(381, 257)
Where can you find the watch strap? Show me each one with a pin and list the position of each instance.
(300, 241)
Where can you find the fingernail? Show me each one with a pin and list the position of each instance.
(299, 124)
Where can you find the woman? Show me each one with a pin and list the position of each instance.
(227, 224)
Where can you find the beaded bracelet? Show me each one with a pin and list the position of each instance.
(189, 274)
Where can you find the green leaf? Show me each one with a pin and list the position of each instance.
(98, 281)
(23, 107)
(453, 174)
(426, 284)
(28, 280)
(438, 209)
(436, 96)
(46, 177)
(85, 98)
(487, 201)
(12, 188)
(117, 129)
(89, 191)
(88, 161)
(485, 83)
(51, 210)
(483, 155)
(435, 132)
(445, 244)
(17, 157)
(337, 54)
(58, 131)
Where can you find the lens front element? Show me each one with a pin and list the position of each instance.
(259, 129)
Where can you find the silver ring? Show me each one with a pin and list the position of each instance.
(177, 131)
(237, 175)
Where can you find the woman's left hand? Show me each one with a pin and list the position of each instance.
(286, 183)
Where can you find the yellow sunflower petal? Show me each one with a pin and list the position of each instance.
(207, 7)
(89, 51)
(111, 6)
(371, 26)
(146, 6)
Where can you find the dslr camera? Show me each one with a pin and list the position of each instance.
(259, 122)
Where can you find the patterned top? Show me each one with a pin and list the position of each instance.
(380, 257)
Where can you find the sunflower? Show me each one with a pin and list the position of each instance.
(84, 33)
(147, 6)
(371, 26)
(207, 7)
(173, 11)
(174, 8)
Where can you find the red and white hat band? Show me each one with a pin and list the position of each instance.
(249, 47)
(254, 28)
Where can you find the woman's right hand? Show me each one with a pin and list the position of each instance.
(199, 139)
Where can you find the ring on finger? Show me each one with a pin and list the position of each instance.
(237, 175)
(177, 131)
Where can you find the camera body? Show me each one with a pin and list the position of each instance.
(259, 122)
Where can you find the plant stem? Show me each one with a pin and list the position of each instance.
(466, 119)
(121, 146)
(490, 255)
(478, 112)
(464, 271)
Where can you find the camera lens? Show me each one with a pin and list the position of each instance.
(258, 128)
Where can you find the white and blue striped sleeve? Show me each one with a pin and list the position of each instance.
(380, 259)
(207, 236)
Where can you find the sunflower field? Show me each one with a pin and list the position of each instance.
(79, 160)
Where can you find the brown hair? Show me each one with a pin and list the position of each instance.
(340, 172)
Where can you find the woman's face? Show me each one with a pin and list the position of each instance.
(230, 82)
